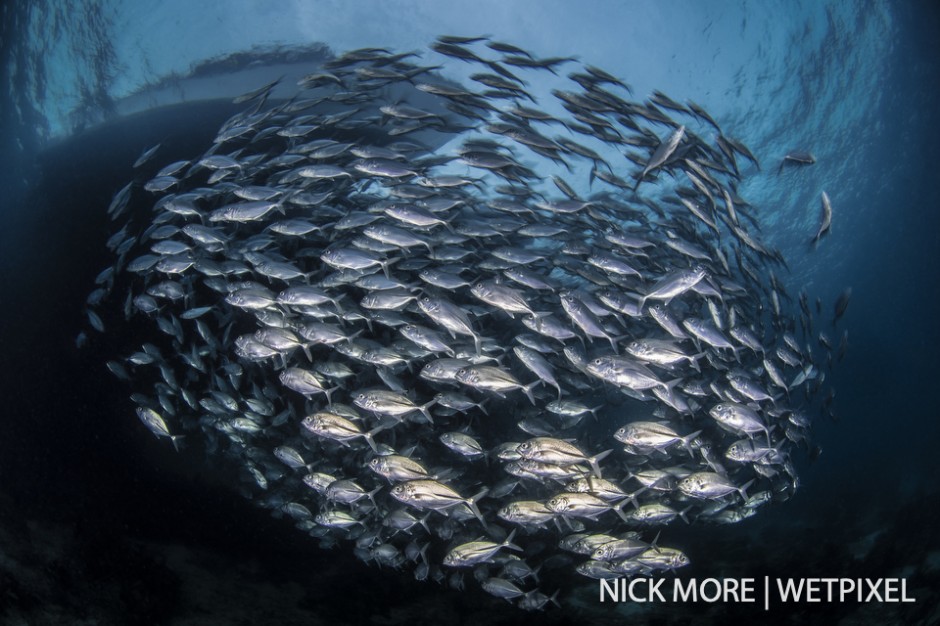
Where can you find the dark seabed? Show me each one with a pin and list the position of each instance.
(101, 523)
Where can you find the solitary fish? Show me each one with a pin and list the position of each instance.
(824, 227)
(842, 303)
(797, 157)
(157, 425)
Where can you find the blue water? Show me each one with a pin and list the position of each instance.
(855, 83)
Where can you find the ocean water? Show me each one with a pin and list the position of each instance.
(102, 523)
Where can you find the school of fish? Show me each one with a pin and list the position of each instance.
(470, 338)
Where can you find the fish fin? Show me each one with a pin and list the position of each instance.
(688, 439)
(655, 543)
(595, 459)
(329, 394)
(684, 511)
(369, 436)
(175, 439)
(424, 410)
(387, 262)
(670, 385)
(335, 302)
(743, 488)
(372, 493)
(618, 509)
(527, 390)
(509, 544)
(424, 522)
(472, 503)
(632, 497)
(613, 342)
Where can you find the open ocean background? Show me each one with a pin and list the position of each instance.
(100, 523)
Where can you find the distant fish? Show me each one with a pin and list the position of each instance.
(797, 157)
(143, 158)
(842, 303)
(262, 91)
(825, 226)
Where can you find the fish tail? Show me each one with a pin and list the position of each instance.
(655, 543)
(509, 544)
(424, 410)
(687, 440)
(335, 302)
(743, 488)
(371, 495)
(633, 496)
(472, 503)
(527, 390)
(595, 459)
(424, 522)
(389, 262)
(369, 436)
(613, 343)
(618, 509)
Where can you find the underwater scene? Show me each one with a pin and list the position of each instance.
(425, 313)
